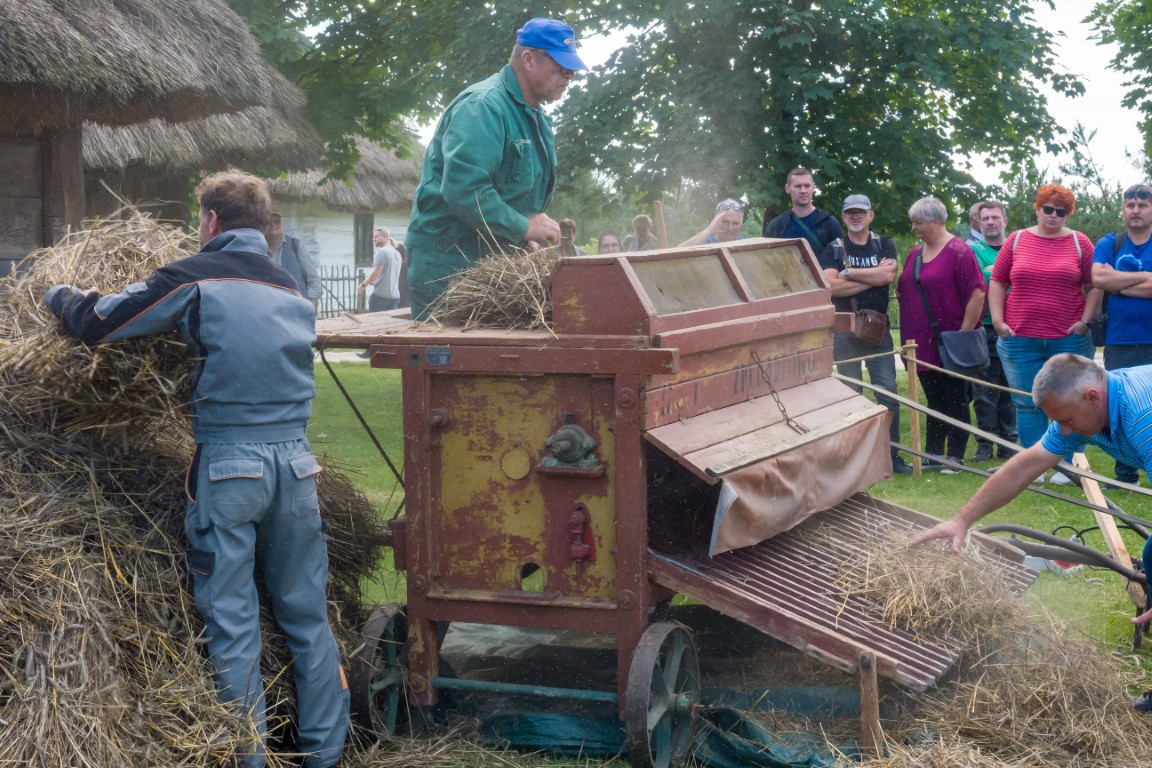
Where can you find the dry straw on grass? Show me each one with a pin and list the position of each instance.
(100, 645)
(507, 290)
(1025, 692)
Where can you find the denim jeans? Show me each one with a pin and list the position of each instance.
(1022, 358)
(881, 372)
(1126, 356)
(995, 411)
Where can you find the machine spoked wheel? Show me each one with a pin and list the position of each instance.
(378, 672)
(663, 687)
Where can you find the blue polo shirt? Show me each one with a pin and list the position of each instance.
(1129, 317)
(1129, 434)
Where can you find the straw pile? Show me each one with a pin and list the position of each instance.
(100, 660)
(508, 290)
(1025, 692)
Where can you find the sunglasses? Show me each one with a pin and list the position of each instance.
(1049, 210)
(1142, 193)
(729, 207)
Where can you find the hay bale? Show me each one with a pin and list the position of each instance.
(101, 660)
(509, 290)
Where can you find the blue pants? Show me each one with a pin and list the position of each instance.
(382, 304)
(1022, 358)
(254, 505)
(881, 372)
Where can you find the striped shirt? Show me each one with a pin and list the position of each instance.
(1129, 435)
(1047, 276)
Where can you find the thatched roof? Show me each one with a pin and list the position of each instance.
(381, 180)
(253, 137)
(117, 62)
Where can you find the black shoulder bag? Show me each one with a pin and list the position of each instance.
(963, 352)
(869, 325)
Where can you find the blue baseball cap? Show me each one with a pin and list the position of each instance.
(555, 37)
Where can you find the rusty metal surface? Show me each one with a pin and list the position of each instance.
(786, 587)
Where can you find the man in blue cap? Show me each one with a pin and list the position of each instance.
(490, 169)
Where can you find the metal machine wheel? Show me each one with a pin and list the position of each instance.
(663, 686)
(377, 686)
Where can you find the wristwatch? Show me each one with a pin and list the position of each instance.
(845, 274)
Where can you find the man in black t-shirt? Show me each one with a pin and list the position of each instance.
(803, 219)
(859, 268)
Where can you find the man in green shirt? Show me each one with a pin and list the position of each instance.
(995, 411)
(490, 169)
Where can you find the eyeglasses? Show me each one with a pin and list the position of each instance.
(855, 212)
(1139, 192)
(1049, 210)
(563, 69)
(729, 207)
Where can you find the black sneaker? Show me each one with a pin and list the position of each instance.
(900, 467)
(365, 355)
(1143, 703)
(983, 453)
(1005, 453)
(950, 470)
(927, 463)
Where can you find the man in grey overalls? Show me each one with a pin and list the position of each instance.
(252, 484)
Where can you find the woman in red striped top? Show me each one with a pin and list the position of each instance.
(1040, 299)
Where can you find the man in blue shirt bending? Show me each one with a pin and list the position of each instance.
(1110, 409)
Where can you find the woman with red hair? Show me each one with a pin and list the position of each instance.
(1041, 298)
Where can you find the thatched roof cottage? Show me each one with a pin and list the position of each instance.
(63, 62)
(150, 162)
(337, 218)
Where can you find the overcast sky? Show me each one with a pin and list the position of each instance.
(1099, 108)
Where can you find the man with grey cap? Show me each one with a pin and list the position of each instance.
(859, 268)
(490, 169)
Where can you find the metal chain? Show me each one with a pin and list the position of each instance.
(776, 396)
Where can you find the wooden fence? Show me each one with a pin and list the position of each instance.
(338, 294)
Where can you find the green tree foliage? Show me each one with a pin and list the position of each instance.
(373, 67)
(720, 95)
(877, 95)
(1128, 24)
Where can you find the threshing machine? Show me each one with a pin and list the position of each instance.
(666, 436)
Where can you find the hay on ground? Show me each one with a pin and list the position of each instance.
(1025, 692)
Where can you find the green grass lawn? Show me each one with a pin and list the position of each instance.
(1092, 602)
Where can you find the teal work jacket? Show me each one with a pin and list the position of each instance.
(491, 164)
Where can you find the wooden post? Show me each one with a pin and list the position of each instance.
(914, 395)
(872, 735)
(661, 230)
(1116, 547)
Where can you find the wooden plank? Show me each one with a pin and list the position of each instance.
(780, 438)
(691, 398)
(703, 338)
(708, 429)
(1108, 529)
(872, 735)
(20, 158)
(524, 360)
(721, 360)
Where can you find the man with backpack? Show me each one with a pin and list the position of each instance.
(859, 269)
(803, 219)
(1122, 268)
